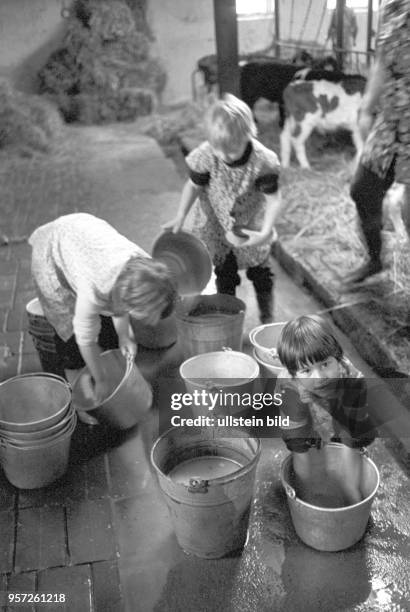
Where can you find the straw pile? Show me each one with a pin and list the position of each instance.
(103, 72)
(28, 124)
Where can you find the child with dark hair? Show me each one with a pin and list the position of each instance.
(325, 397)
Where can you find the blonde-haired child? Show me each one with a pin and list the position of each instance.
(325, 398)
(235, 179)
(88, 279)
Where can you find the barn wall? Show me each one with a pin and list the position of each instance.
(183, 30)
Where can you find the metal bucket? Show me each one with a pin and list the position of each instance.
(210, 515)
(331, 529)
(232, 372)
(43, 336)
(39, 464)
(162, 335)
(187, 258)
(33, 402)
(32, 437)
(208, 323)
(267, 370)
(265, 340)
(129, 400)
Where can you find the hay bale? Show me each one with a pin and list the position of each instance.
(103, 65)
(29, 124)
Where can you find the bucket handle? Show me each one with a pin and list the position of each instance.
(290, 491)
(198, 485)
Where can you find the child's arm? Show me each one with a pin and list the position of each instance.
(126, 342)
(273, 203)
(188, 197)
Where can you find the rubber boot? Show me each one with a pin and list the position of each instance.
(265, 304)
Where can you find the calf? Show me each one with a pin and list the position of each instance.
(321, 105)
(269, 79)
(266, 80)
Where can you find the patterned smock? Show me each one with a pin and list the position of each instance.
(232, 194)
(76, 260)
(390, 134)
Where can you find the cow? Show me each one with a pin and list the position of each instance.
(323, 105)
(269, 79)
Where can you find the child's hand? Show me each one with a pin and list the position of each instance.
(101, 391)
(257, 238)
(128, 347)
(234, 239)
(174, 225)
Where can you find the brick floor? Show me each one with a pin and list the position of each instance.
(102, 535)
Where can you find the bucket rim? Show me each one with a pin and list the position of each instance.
(205, 297)
(20, 426)
(220, 479)
(266, 364)
(129, 365)
(296, 499)
(226, 351)
(51, 442)
(10, 434)
(35, 300)
(259, 328)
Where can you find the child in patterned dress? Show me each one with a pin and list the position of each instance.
(325, 398)
(88, 278)
(235, 179)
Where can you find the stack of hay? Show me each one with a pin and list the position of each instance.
(28, 124)
(103, 72)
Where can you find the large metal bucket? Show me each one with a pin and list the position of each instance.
(37, 464)
(130, 397)
(43, 335)
(230, 372)
(210, 515)
(331, 529)
(208, 323)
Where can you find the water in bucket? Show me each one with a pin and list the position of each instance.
(207, 323)
(207, 481)
(203, 467)
(327, 525)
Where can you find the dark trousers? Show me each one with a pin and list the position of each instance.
(367, 191)
(227, 277)
(69, 353)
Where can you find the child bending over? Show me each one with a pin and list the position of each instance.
(235, 179)
(88, 279)
(325, 398)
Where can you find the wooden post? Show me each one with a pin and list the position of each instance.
(277, 28)
(226, 34)
(340, 9)
(369, 30)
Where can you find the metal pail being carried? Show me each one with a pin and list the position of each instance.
(335, 528)
(208, 323)
(207, 479)
(130, 396)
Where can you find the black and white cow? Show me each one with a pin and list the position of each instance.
(269, 79)
(323, 105)
(266, 80)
